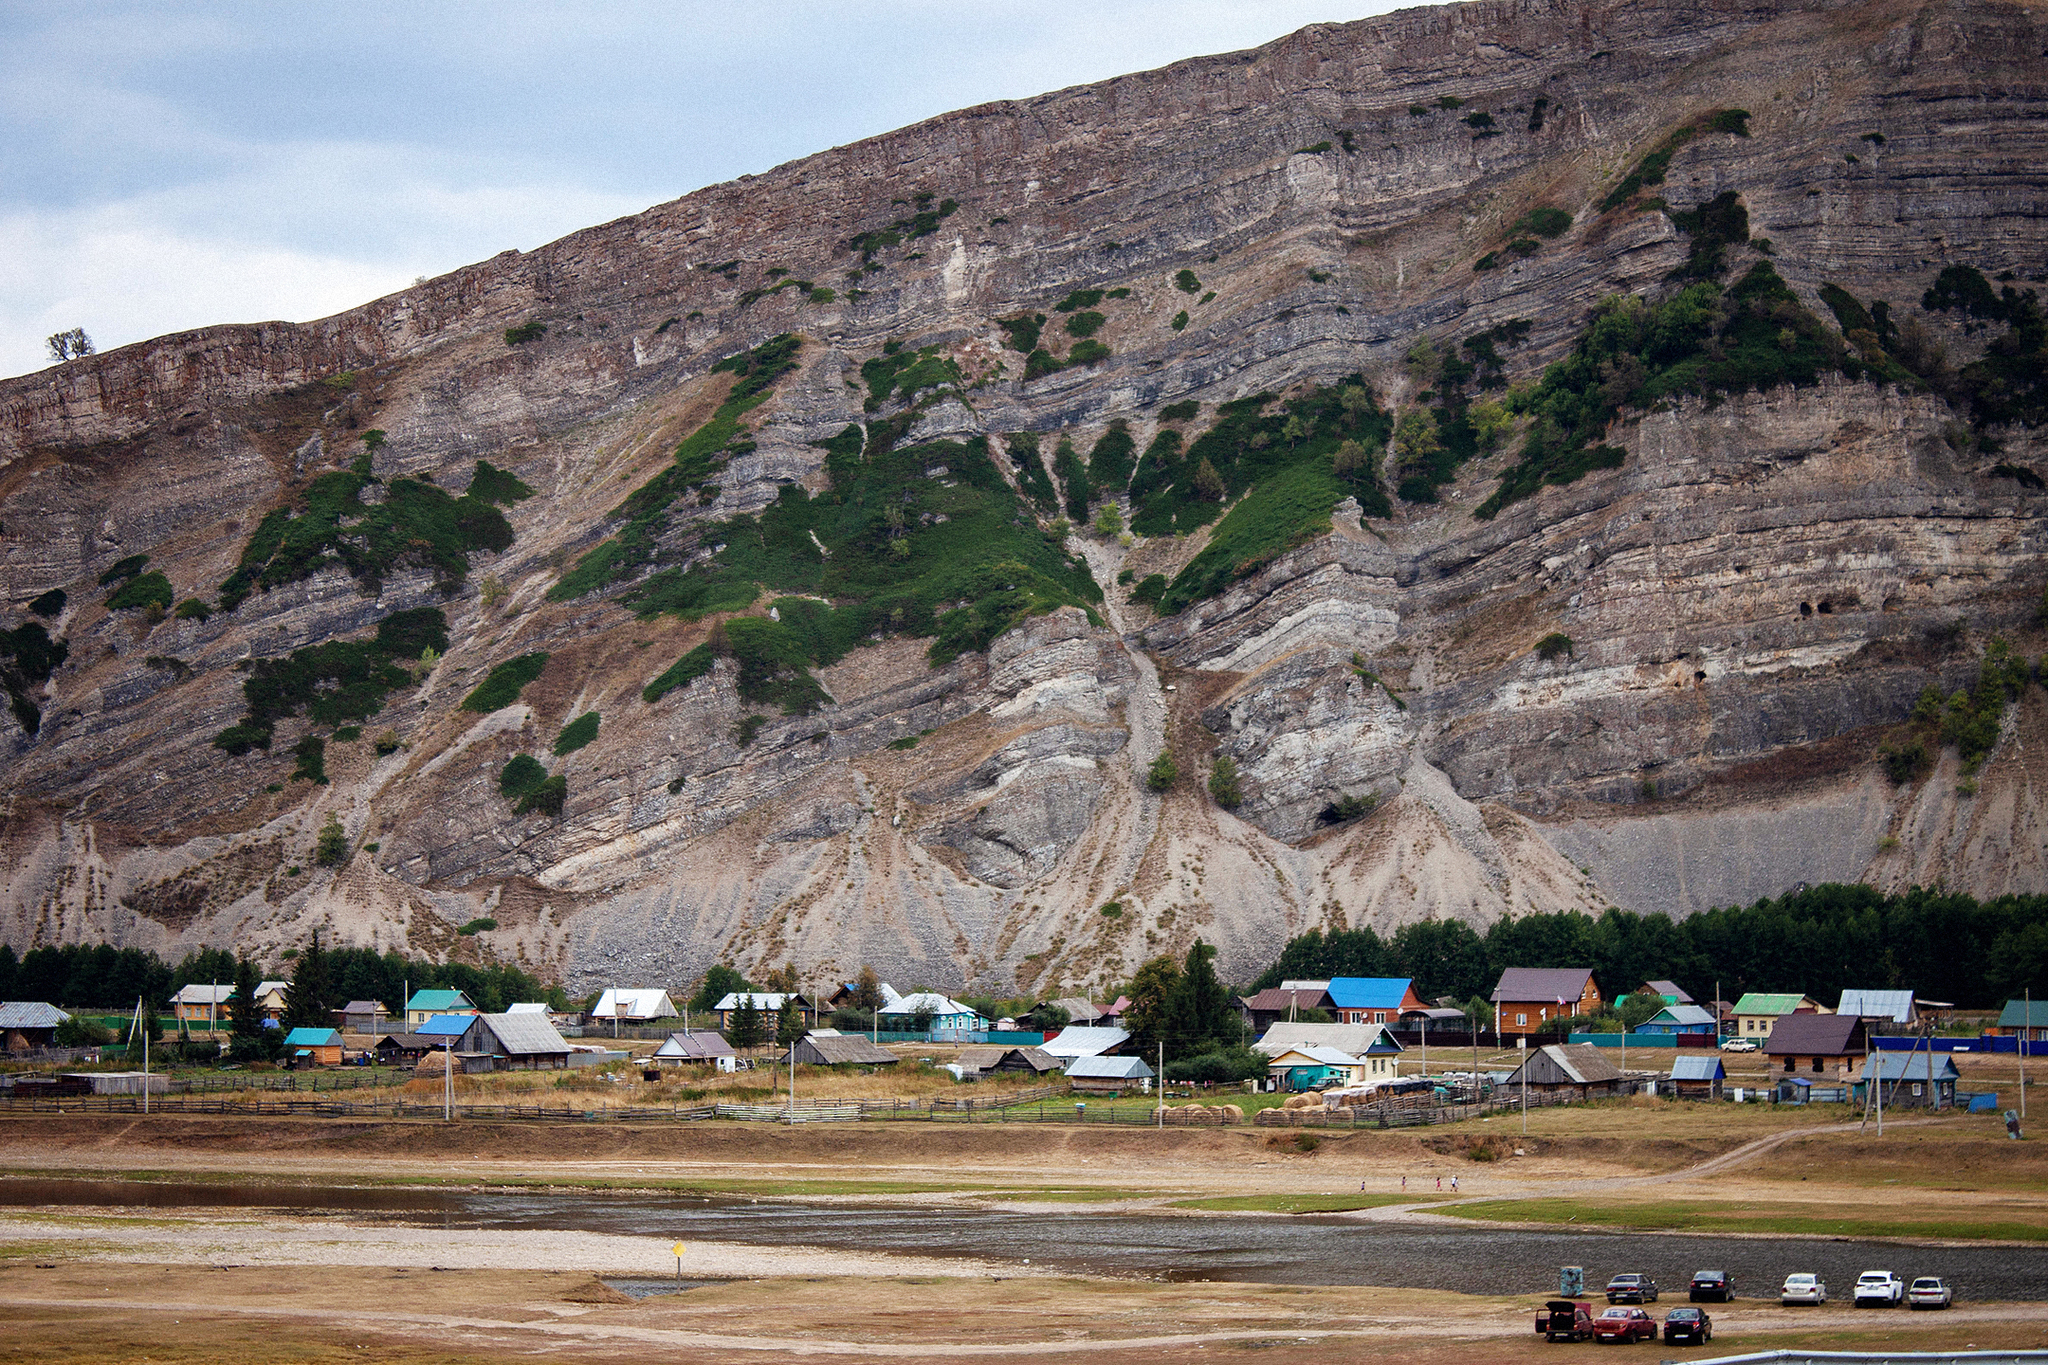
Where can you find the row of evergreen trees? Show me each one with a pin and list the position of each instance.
(1816, 941)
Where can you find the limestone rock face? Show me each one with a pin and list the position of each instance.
(1752, 601)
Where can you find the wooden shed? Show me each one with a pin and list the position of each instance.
(839, 1049)
(1697, 1077)
(1569, 1069)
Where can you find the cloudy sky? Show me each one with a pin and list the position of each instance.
(169, 165)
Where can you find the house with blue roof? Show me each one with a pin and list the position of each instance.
(1372, 999)
(424, 1005)
(1681, 1019)
(312, 1047)
(1697, 1077)
(1910, 1080)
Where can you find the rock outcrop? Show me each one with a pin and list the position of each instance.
(1750, 604)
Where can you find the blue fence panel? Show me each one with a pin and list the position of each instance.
(1666, 1040)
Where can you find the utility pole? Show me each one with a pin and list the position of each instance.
(1522, 1045)
(2026, 1027)
(447, 1079)
(1160, 1107)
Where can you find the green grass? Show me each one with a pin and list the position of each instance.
(502, 685)
(124, 569)
(683, 671)
(1651, 169)
(1078, 300)
(1775, 1217)
(312, 760)
(525, 783)
(576, 734)
(1085, 324)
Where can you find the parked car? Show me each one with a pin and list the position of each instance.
(1691, 1325)
(1738, 1045)
(1565, 1320)
(1929, 1291)
(1624, 1325)
(1631, 1289)
(1803, 1288)
(1716, 1286)
(1879, 1289)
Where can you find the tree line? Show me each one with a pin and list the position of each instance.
(1816, 941)
(79, 976)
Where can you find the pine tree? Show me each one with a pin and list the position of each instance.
(1209, 484)
(1163, 773)
(747, 1028)
(1223, 783)
(789, 1022)
(246, 1018)
(306, 1002)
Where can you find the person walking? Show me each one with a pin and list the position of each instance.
(1439, 1183)
(1454, 1184)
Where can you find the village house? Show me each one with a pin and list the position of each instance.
(1576, 1069)
(1696, 1076)
(2026, 1019)
(425, 1005)
(401, 1049)
(1910, 1080)
(827, 1048)
(197, 1003)
(269, 999)
(1670, 992)
(1757, 1012)
(1527, 998)
(312, 1047)
(1373, 999)
(1033, 1060)
(946, 1014)
(1275, 1003)
(1681, 1019)
(634, 1006)
(1817, 1044)
(1359, 1040)
(512, 1042)
(363, 1016)
(767, 1003)
(683, 1049)
(1109, 1075)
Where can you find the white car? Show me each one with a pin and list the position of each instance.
(1803, 1289)
(1879, 1289)
(1929, 1291)
(1738, 1045)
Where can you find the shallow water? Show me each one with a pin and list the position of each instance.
(1268, 1248)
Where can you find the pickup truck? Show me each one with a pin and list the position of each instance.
(1880, 1289)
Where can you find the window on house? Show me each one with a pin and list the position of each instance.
(1816, 1064)
(1916, 1090)
(1522, 1020)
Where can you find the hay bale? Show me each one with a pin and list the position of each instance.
(1302, 1101)
(1231, 1113)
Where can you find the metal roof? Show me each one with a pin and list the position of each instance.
(445, 1026)
(919, 1001)
(363, 1007)
(440, 1000)
(1681, 1014)
(2024, 1014)
(1315, 1052)
(30, 1014)
(1536, 984)
(527, 1007)
(1578, 1062)
(840, 1049)
(523, 1035)
(1109, 1068)
(1277, 998)
(1897, 1006)
(1910, 1066)
(1706, 1068)
(1766, 1002)
(312, 1037)
(1820, 1035)
(616, 1003)
(197, 994)
(1670, 990)
(1084, 1041)
(763, 1000)
(1371, 992)
(695, 1046)
(1359, 1040)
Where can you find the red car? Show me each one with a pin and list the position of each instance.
(1624, 1325)
(1565, 1320)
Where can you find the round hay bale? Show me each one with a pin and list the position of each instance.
(1231, 1113)
(1301, 1101)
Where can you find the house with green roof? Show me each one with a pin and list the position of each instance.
(2022, 1019)
(1758, 1011)
(424, 1005)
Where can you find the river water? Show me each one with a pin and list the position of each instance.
(1275, 1249)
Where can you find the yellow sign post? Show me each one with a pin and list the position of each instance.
(678, 1250)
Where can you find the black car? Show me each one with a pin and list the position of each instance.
(1712, 1286)
(1631, 1289)
(1690, 1325)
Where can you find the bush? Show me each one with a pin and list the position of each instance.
(123, 569)
(1163, 773)
(1089, 352)
(483, 924)
(312, 760)
(525, 332)
(526, 784)
(1904, 763)
(1180, 320)
(1150, 589)
(1219, 1067)
(79, 1031)
(501, 687)
(1085, 324)
(1079, 299)
(1186, 282)
(49, 605)
(1224, 785)
(330, 848)
(192, 609)
(146, 590)
(576, 734)
(1554, 644)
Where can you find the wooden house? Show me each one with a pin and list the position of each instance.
(1373, 999)
(2026, 1019)
(1758, 1012)
(514, 1042)
(28, 1025)
(1910, 1080)
(1570, 1069)
(424, 1005)
(312, 1047)
(1817, 1044)
(1527, 998)
(839, 1049)
(1108, 1075)
(1283, 1002)
(199, 1003)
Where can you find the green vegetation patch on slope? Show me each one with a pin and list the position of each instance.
(701, 454)
(2008, 385)
(905, 374)
(50, 605)
(526, 784)
(925, 541)
(416, 524)
(1702, 340)
(28, 656)
(1030, 467)
(692, 666)
(143, 590)
(1650, 170)
(576, 734)
(123, 569)
(336, 682)
(503, 684)
(1112, 458)
(923, 222)
(1256, 438)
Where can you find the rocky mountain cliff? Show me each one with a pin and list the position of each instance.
(893, 511)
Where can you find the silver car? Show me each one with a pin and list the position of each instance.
(1929, 1291)
(1803, 1289)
